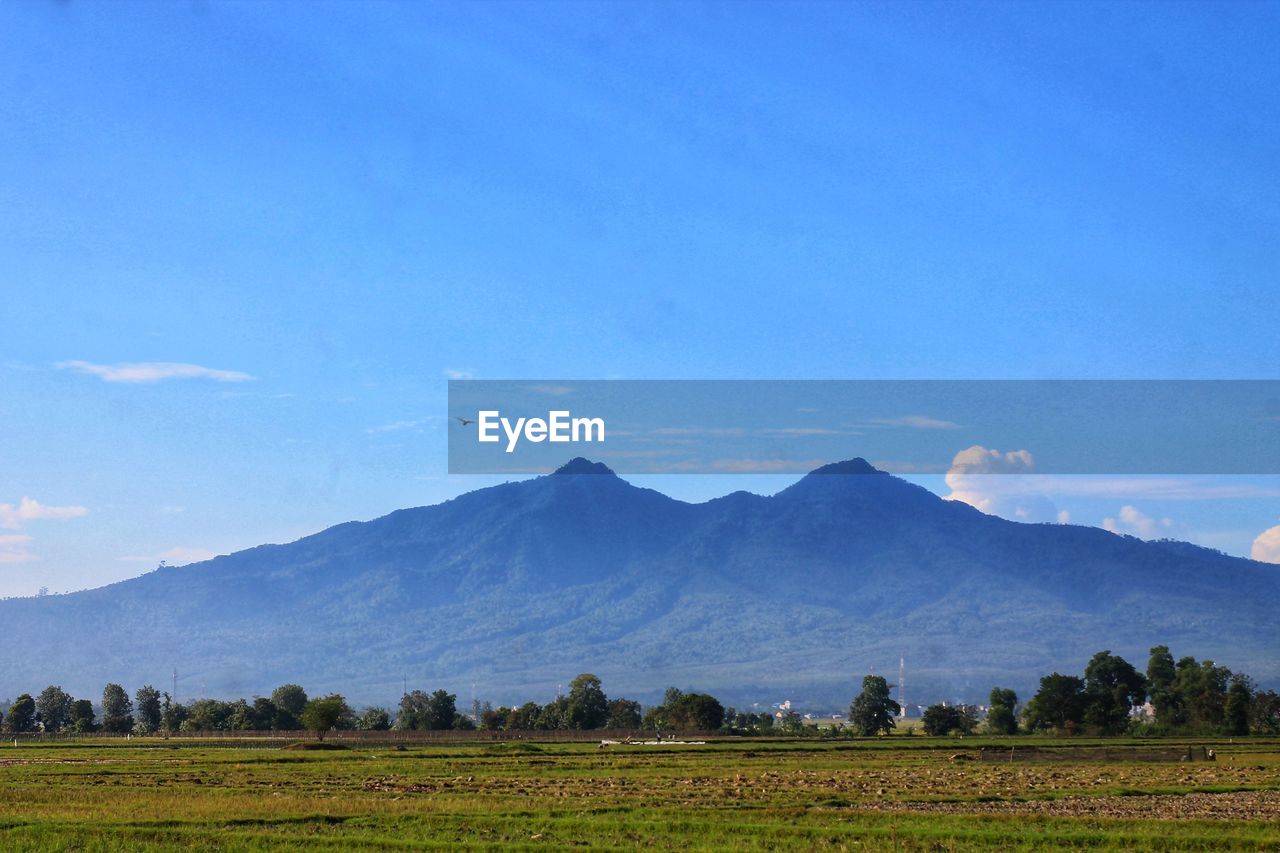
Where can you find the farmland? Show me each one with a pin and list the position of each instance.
(896, 793)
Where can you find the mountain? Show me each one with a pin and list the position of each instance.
(519, 587)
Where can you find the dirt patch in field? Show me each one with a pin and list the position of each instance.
(17, 762)
(985, 787)
(1010, 754)
(1235, 805)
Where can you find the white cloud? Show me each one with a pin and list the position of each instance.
(459, 373)
(917, 422)
(1134, 522)
(1157, 488)
(980, 460)
(13, 548)
(151, 371)
(698, 431)
(394, 426)
(13, 517)
(800, 432)
(175, 556)
(1266, 548)
(991, 481)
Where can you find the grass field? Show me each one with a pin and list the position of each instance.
(893, 794)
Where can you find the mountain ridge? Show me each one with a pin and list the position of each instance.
(519, 586)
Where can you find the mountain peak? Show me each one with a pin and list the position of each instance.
(578, 465)
(857, 465)
(635, 582)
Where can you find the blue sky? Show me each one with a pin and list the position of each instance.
(349, 203)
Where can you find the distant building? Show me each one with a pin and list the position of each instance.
(1145, 712)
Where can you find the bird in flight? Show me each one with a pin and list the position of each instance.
(465, 422)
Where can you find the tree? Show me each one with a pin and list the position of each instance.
(700, 711)
(290, 699)
(147, 703)
(321, 715)
(524, 718)
(22, 715)
(172, 714)
(1202, 687)
(413, 709)
(1002, 718)
(623, 714)
(1112, 688)
(588, 706)
(944, 719)
(80, 717)
(1264, 713)
(554, 715)
(52, 706)
(937, 720)
(264, 713)
(873, 710)
(208, 715)
(1058, 704)
(117, 710)
(494, 719)
(240, 716)
(679, 710)
(347, 720)
(434, 712)
(441, 710)
(1236, 709)
(739, 722)
(374, 720)
(1161, 674)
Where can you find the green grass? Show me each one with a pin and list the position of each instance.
(752, 795)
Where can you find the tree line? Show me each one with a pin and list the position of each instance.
(288, 708)
(1185, 697)
(1189, 696)
(152, 712)
(586, 706)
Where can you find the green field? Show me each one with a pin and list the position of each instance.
(892, 794)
